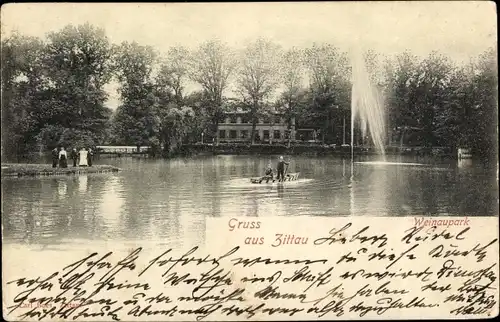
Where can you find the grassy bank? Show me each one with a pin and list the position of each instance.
(22, 169)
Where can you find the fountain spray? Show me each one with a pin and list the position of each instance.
(366, 104)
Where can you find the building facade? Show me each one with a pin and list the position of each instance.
(237, 127)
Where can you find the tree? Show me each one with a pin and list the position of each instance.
(292, 78)
(258, 77)
(23, 82)
(174, 72)
(176, 124)
(401, 74)
(175, 120)
(56, 87)
(78, 61)
(202, 122)
(178, 120)
(211, 66)
(329, 79)
(374, 67)
(452, 118)
(484, 137)
(430, 94)
(136, 120)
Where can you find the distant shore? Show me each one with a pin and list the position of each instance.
(23, 169)
(312, 149)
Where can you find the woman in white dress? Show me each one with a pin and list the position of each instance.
(83, 158)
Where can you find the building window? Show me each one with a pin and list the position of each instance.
(222, 134)
(257, 135)
(233, 119)
(266, 134)
(245, 119)
(266, 120)
(277, 134)
(233, 134)
(244, 134)
(277, 119)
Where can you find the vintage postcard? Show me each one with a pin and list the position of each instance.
(249, 161)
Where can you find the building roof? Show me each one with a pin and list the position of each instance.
(238, 108)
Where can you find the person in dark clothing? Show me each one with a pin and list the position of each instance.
(74, 156)
(281, 168)
(63, 158)
(55, 158)
(89, 157)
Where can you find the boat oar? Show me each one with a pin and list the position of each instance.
(284, 174)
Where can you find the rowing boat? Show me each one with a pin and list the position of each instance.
(267, 179)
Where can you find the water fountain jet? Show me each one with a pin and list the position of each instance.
(367, 106)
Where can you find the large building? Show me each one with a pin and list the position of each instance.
(237, 126)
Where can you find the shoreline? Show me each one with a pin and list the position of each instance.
(312, 149)
(32, 170)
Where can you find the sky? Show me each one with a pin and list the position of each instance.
(459, 29)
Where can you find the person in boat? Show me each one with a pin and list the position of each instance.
(281, 168)
(269, 171)
(55, 157)
(63, 158)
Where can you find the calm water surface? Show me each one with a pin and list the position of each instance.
(169, 200)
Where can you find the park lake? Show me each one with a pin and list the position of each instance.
(169, 200)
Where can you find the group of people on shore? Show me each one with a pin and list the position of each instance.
(82, 158)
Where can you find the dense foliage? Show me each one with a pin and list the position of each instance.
(53, 93)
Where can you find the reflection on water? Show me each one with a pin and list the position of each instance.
(82, 183)
(168, 200)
